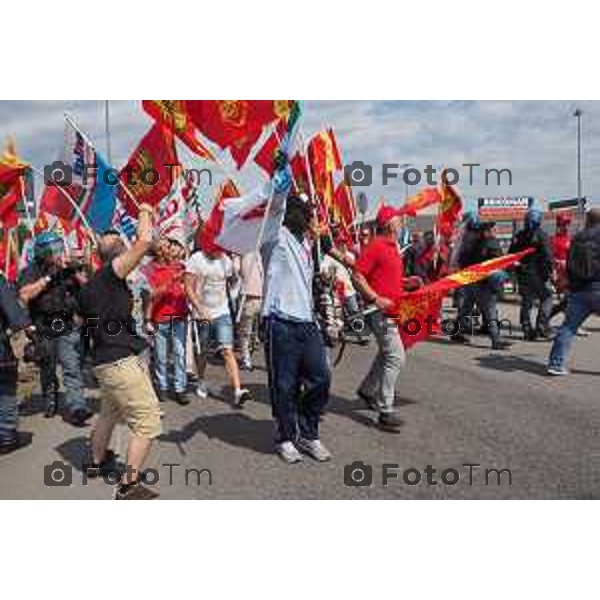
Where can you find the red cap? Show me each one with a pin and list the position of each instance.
(385, 214)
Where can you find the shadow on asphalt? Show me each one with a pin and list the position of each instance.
(354, 409)
(584, 372)
(511, 364)
(235, 429)
(74, 451)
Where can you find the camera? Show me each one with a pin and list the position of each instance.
(358, 474)
(58, 174)
(358, 174)
(58, 474)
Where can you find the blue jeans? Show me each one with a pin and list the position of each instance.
(299, 378)
(64, 350)
(8, 400)
(484, 296)
(174, 332)
(580, 305)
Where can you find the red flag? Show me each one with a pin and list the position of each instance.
(344, 208)
(236, 124)
(418, 313)
(298, 165)
(173, 115)
(151, 170)
(12, 170)
(449, 210)
(421, 200)
(9, 198)
(265, 157)
(324, 158)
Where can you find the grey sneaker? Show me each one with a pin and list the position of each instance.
(136, 491)
(315, 449)
(557, 371)
(288, 452)
(390, 422)
(201, 390)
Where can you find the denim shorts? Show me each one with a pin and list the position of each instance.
(216, 334)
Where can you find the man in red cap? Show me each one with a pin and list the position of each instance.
(379, 275)
(561, 241)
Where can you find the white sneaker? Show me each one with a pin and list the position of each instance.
(241, 396)
(288, 452)
(315, 449)
(557, 371)
(201, 390)
(246, 364)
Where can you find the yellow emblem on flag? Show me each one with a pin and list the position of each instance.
(466, 277)
(282, 108)
(173, 112)
(412, 308)
(144, 164)
(234, 112)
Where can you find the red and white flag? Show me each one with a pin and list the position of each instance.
(234, 223)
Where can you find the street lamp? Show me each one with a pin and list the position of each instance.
(577, 114)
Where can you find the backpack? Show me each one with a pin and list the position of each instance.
(584, 259)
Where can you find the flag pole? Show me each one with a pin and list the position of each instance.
(7, 255)
(261, 234)
(107, 128)
(87, 140)
(30, 222)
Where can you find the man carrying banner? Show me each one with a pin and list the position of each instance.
(299, 378)
(379, 276)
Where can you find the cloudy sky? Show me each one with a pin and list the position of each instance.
(536, 140)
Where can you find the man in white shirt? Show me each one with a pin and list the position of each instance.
(299, 378)
(250, 267)
(206, 279)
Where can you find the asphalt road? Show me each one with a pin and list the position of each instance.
(460, 405)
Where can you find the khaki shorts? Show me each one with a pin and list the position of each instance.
(128, 395)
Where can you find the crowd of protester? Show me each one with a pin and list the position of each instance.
(145, 315)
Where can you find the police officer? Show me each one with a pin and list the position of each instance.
(477, 249)
(49, 287)
(13, 319)
(534, 274)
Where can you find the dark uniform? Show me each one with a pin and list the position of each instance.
(13, 317)
(533, 277)
(58, 339)
(479, 247)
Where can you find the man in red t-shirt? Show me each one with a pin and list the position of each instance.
(379, 276)
(168, 309)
